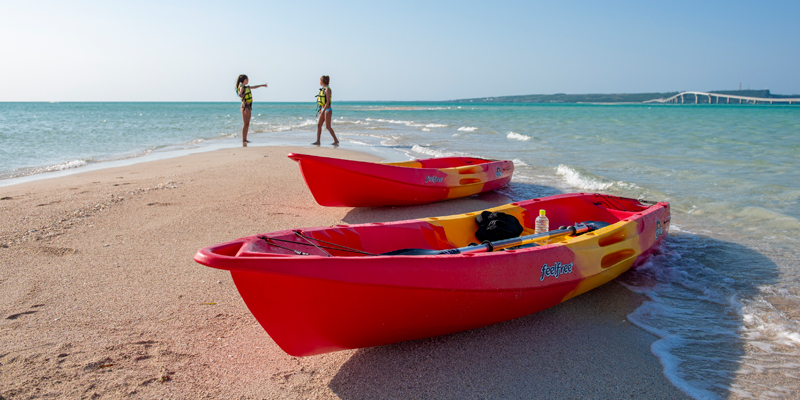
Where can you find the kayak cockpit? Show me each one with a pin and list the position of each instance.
(346, 240)
(441, 163)
(436, 233)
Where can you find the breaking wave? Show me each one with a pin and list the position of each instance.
(431, 152)
(518, 136)
(581, 181)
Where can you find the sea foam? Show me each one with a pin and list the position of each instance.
(62, 167)
(397, 122)
(577, 180)
(430, 151)
(518, 136)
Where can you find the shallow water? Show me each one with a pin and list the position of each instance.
(724, 292)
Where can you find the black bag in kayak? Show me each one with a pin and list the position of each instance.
(497, 226)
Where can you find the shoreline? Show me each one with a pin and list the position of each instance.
(102, 297)
(168, 152)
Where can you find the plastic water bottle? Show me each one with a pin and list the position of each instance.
(542, 224)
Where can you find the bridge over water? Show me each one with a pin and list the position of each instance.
(681, 98)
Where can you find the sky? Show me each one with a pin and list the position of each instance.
(392, 50)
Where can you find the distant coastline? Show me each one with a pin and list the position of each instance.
(615, 97)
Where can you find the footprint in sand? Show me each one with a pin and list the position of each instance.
(57, 251)
(17, 315)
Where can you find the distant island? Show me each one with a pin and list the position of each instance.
(615, 98)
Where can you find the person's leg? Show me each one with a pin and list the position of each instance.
(246, 113)
(319, 126)
(328, 118)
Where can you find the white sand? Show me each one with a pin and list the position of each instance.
(100, 298)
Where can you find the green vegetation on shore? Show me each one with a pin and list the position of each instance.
(613, 97)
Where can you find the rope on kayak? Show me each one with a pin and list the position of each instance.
(300, 235)
(613, 202)
(298, 252)
(338, 247)
(609, 202)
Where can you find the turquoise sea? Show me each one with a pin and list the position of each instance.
(723, 293)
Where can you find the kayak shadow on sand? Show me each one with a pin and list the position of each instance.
(510, 193)
(583, 348)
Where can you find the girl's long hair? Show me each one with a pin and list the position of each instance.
(239, 81)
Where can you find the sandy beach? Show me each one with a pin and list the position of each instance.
(100, 298)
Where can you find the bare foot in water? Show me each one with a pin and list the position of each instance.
(316, 143)
(336, 143)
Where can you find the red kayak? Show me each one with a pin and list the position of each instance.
(317, 290)
(336, 182)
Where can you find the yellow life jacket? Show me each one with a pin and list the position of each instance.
(247, 96)
(321, 97)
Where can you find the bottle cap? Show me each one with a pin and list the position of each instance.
(541, 212)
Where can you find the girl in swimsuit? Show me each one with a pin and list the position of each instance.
(247, 103)
(325, 112)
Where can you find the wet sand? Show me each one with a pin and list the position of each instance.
(100, 298)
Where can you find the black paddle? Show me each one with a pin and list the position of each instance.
(487, 246)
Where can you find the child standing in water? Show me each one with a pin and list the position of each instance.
(325, 112)
(247, 103)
